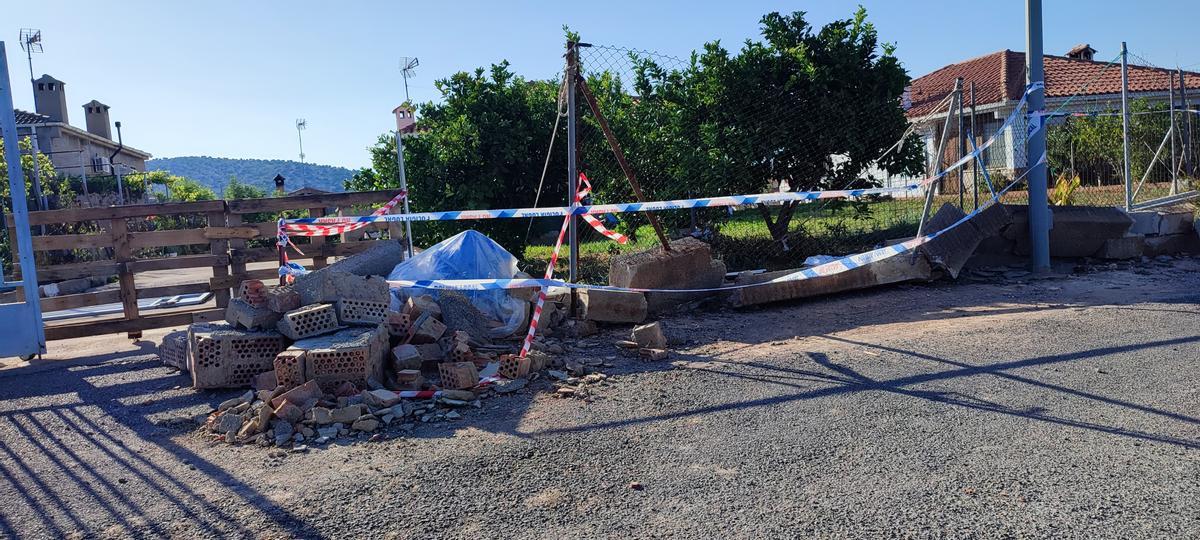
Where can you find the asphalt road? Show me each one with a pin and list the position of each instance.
(1065, 407)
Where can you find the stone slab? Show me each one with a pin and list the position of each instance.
(612, 306)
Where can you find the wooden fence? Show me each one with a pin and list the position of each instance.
(221, 244)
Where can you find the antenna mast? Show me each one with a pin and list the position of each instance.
(31, 42)
(301, 124)
(408, 68)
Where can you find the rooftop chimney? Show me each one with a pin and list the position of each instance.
(50, 98)
(96, 114)
(405, 120)
(1083, 51)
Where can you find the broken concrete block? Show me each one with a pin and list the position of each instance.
(370, 312)
(416, 306)
(241, 313)
(380, 398)
(950, 250)
(431, 352)
(1075, 231)
(903, 267)
(306, 393)
(1175, 222)
(221, 356)
(398, 324)
(289, 412)
(329, 287)
(658, 269)
(347, 414)
(538, 361)
(649, 336)
(321, 416)
(266, 382)
(406, 357)
(289, 368)
(612, 306)
(282, 299)
(426, 329)
(348, 356)
(1172, 244)
(173, 350)
(1126, 247)
(366, 423)
(378, 260)
(458, 313)
(410, 379)
(308, 321)
(710, 277)
(253, 292)
(458, 375)
(514, 367)
(654, 354)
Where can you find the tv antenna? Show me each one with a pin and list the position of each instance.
(301, 124)
(408, 68)
(31, 42)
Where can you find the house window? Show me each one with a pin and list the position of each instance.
(41, 86)
(51, 87)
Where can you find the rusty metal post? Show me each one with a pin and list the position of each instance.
(616, 148)
(572, 164)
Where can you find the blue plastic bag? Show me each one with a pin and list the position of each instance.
(468, 255)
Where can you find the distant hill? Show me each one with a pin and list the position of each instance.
(214, 172)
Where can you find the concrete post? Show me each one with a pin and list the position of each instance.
(408, 237)
(1039, 204)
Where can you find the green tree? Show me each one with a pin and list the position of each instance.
(481, 146)
(816, 108)
(236, 189)
(52, 186)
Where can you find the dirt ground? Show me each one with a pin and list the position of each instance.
(1005, 406)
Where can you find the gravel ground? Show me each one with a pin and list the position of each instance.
(1013, 407)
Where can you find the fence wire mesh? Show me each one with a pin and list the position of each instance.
(684, 137)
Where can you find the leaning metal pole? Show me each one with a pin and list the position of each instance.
(1125, 126)
(1171, 131)
(572, 164)
(974, 162)
(1039, 204)
(937, 164)
(962, 147)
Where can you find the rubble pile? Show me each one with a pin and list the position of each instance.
(334, 354)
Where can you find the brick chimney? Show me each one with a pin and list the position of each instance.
(405, 120)
(50, 98)
(96, 114)
(1083, 51)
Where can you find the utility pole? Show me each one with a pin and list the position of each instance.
(1186, 129)
(1039, 204)
(1125, 126)
(572, 164)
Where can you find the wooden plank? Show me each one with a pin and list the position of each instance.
(73, 301)
(236, 268)
(251, 255)
(71, 241)
(219, 246)
(123, 253)
(97, 298)
(71, 215)
(60, 272)
(244, 232)
(179, 237)
(324, 200)
(113, 326)
(175, 263)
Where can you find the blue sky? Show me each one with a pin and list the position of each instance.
(229, 79)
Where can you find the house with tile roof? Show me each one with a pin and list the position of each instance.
(997, 81)
(75, 151)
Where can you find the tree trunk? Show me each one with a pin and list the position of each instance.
(778, 227)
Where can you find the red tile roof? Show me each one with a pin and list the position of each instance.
(1000, 76)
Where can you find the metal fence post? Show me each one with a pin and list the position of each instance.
(962, 144)
(974, 162)
(1039, 204)
(572, 165)
(1125, 126)
(938, 161)
(1171, 132)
